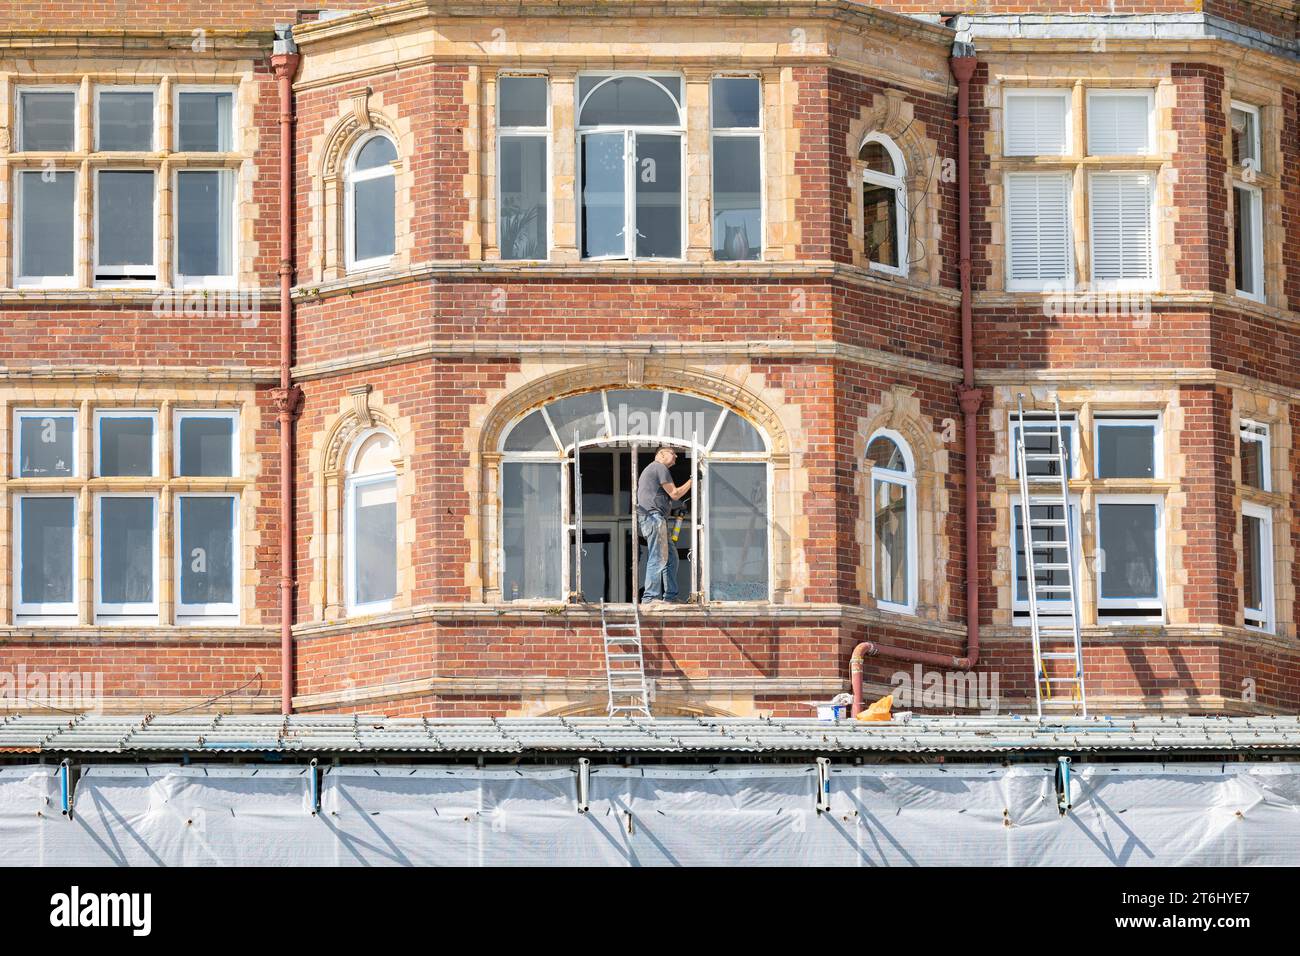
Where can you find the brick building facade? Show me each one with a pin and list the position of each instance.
(729, 225)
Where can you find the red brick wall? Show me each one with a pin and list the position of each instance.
(1199, 191)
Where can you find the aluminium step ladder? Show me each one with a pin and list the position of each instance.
(1057, 625)
(629, 692)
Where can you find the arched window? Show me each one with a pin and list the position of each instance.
(568, 473)
(630, 145)
(371, 200)
(370, 524)
(884, 204)
(893, 522)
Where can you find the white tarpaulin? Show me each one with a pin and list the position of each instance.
(888, 815)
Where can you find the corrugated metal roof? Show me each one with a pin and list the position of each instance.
(310, 734)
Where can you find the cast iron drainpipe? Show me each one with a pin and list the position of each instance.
(962, 64)
(287, 396)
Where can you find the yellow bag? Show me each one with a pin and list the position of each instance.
(880, 710)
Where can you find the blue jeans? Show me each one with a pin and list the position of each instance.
(661, 558)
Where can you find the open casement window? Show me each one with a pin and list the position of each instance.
(370, 524)
(631, 155)
(567, 490)
(45, 443)
(884, 204)
(1256, 455)
(126, 443)
(126, 558)
(371, 204)
(1248, 240)
(737, 111)
(1036, 123)
(523, 167)
(45, 558)
(1121, 219)
(1130, 559)
(1048, 528)
(45, 207)
(207, 536)
(893, 523)
(1044, 442)
(125, 226)
(1040, 248)
(1127, 446)
(206, 443)
(46, 119)
(205, 228)
(1120, 122)
(1257, 566)
(1246, 142)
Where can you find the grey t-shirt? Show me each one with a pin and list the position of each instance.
(650, 495)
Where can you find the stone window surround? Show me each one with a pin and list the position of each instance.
(84, 161)
(167, 401)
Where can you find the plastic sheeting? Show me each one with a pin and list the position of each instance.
(1123, 815)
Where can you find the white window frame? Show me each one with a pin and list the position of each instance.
(106, 413)
(1262, 433)
(1040, 285)
(44, 282)
(1068, 418)
(62, 613)
(1061, 93)
(351, 483)
(527, 132)
(20, 414)
(121, 271)
(204, 613)
(47, 88)
(1150, 283)
(132, 613)
(205, 281)
(1256, 198)
(178, 419)
(1020, 608)
(206, 88)
(129, 88)
(1152, 420)
(1148, 94)
(1156, 606)
(1262, 619)
(759, 133)
(1257, 144)
(898, 183)
(350, 178)
(630, 133)
(907, 481)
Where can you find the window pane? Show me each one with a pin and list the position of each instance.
(531, 434)
(735, 102)
(890, 558)
(1043, 441)
(374, 538)
(635, 412)
(1038, 227)
(1126, 451)
(46, 233)
(737, 434)
(1253, 557)
(374, 218)
(531, 540)
(126, 216)
(691, 418)
(1128, 538)
(584, 414)
(1120, 207)
(378, 152)
(522, 100)
(630, 101)
(1245, 136)
(1118, 125)
(204, 124)
(126, 559)
(880, 224)
(48, 121)
(1036, 124)
(207, 447)
(658, 196)
(1043, 555)
(523, 197)
(884, 452)
(46, 445)
(126, 121)
(737, 526)
(1253, 471)
(1246, 232)
(603, 195)
(126, 446)
(204, 211)
(737, 198)
(46, 550)
(207, 550)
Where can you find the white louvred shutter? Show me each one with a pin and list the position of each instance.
(1120, 213)
(1038, 228)
(1119, 124)
(1037, 124)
